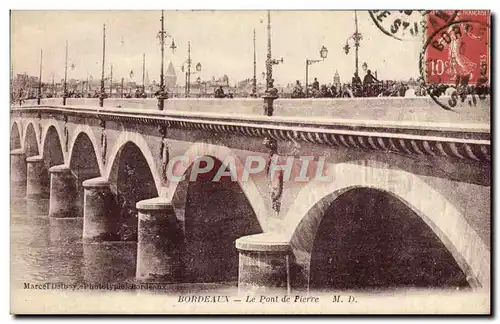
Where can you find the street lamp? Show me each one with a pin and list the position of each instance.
(254, 83)
(271, 92)
(162, 35)
(102, 95)
(65, 89)
(188, 75)
(356, 37)
(323, 53)
(364, 66)
(39, 99)
(188, 71)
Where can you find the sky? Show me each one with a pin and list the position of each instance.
(222, 41)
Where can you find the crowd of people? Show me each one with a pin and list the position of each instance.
(370, 86)
(219, 93)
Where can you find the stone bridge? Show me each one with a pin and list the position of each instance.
(407, 203)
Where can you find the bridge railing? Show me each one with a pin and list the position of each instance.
(470, 130)
(465, 139)
(417, 109)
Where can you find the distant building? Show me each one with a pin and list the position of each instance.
(25, 86)
(336, 78)
(131, 85)
(170, 76)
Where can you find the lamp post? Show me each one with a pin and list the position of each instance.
(323, 53)
(187, 89)
(65, 76)
(103, 93)
(53, 87)
(12, 90)
(39, 99)
(86, 91)
(356, 37)
(188, 76)
(271, 92)
(82, 82)
(143, 74)
(162, 35)
(254, 81)
(111, 83)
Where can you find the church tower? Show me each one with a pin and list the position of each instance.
(336, 78)
(170, 76)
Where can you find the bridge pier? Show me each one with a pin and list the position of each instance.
(18, 171)
(98, 210)
(159, 241)
(264, 265)
(37, 177)
(62, 201)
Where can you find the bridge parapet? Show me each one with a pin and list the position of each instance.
(422, 109)
(459, 140)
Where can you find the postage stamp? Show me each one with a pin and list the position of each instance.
(456, 53)
(459, 51)
(237, 162)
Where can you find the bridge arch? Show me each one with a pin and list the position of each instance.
(139, 141)
(214, 214)
(18, 122)
(84, 161)
(52, 124)
(52, 149)
(15, 135)
(221, 153)
(30, 140)
(132, 180)
(78, 132)
(462, 242)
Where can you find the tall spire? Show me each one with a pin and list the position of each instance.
(336, 78)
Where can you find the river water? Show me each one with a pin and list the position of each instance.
(50, 250)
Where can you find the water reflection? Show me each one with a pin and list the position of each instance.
(112, 262)
(37, 207)
(47, 249)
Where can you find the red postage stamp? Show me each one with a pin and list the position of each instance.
(458, 47)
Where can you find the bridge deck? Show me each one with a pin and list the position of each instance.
(428, 130)
(384, 109)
